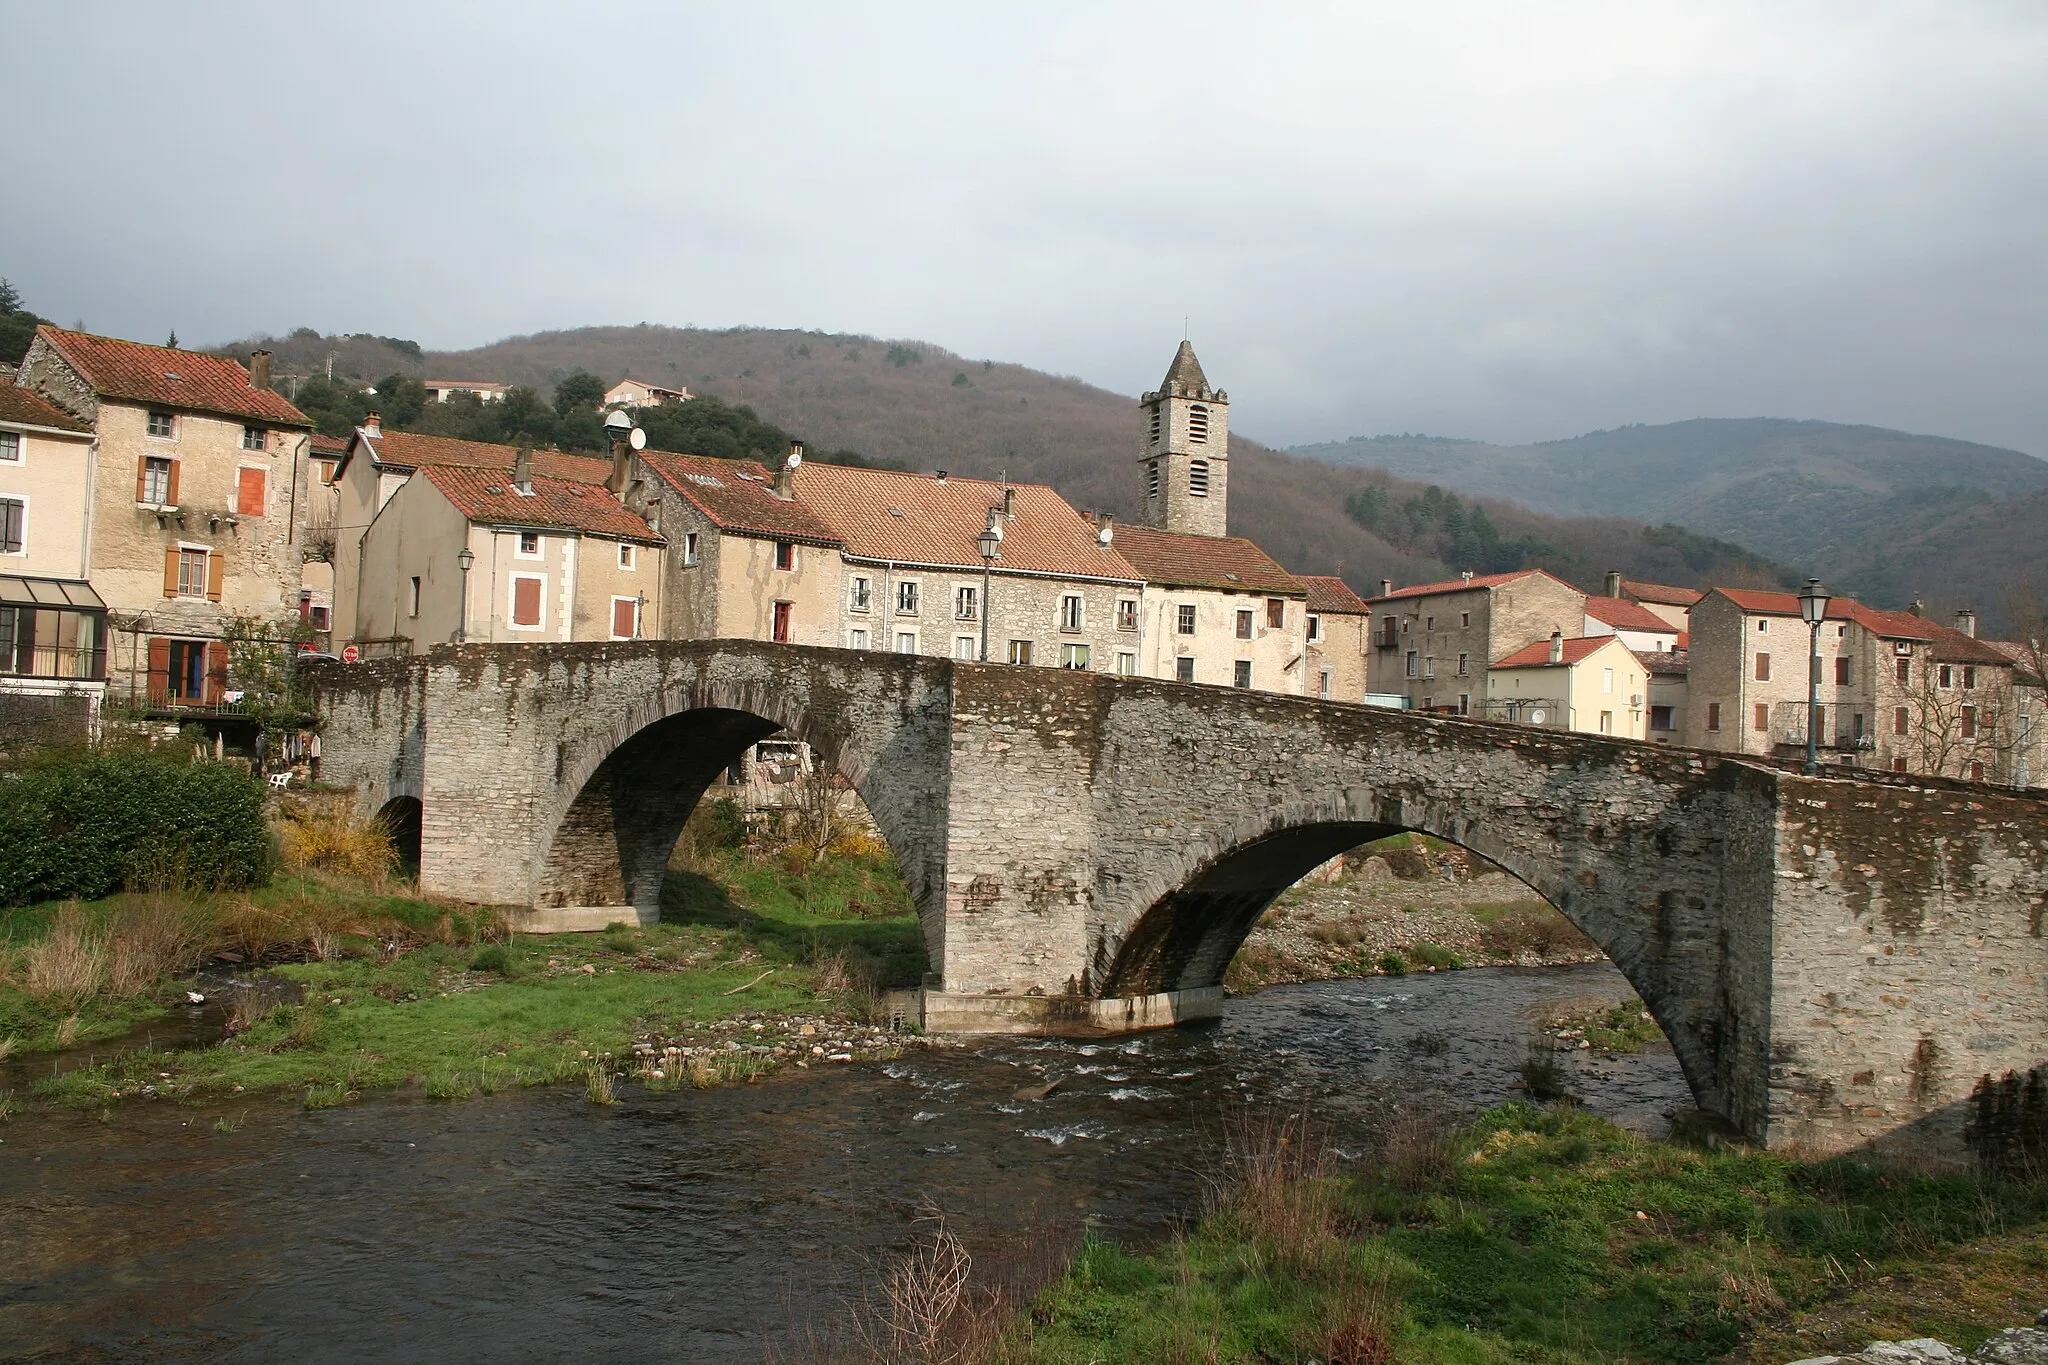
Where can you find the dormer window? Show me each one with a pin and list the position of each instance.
(1198, 424)
(1198, 479)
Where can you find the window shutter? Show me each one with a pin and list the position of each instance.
(173, 494)
(216, 672)
(249, 493)
(216, 570)
(159, 671)
(141, 478)
(622, 619)
(170, 580)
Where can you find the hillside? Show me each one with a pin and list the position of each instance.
(927, 408)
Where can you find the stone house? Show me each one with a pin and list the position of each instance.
(1594, 685)
(1059, 594)
(1433, 642)
(638, 393)
(554, 560)
(198, 506)
(1335, 634)
(747, 560)
(484, 390)
(1636, 626)
(2029, 761)
(1670, 604)
(1219, 610)
(52, 624)
(316, 575)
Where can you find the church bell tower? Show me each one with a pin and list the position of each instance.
(1186, 464)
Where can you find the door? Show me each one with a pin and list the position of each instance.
(783, 611)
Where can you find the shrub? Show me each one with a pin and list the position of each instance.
(85, 825)
(327, 835)
(492, 959)
(1393, 964)
(1440, 958)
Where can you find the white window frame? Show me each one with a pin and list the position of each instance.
(966, 603)
(908, 590)
(612, 622)
(1126, 613)
(1126, 664)
(1073, 613)
(1030, 648)
(629, 562)
(1185, 618)
(903, 637)
(857, 637)
(205, 553)
(22, 499)
(860, 594)
(966, 648)
(1315, 628)
(1607, 681)
(540, 545)
(170, 464)
(690, 558)
(20, 455)
(1325, 678)
(512, 582)
(1075, 657)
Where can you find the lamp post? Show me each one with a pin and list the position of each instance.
(464, 557)
(1813, 608)
(990, 543)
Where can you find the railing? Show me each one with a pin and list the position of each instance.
(54, 661)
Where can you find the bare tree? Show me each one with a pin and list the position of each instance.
(820, 795)
(1955, 711)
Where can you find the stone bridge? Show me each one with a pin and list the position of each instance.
(1835, 961)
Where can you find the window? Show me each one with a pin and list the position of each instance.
(1903, 669)
(1070, 612)
(1969, 676)
(906, 642)
(1184, 668)
(159, 482)
(1323, 678)
(1464, 665)
(251, 488)
(10, 447)
(1763, 667)
(1976, 772)
(1856, 724)
(858, 595)
(529, 544)
(965, 647)
(1185, 618)
(321, 617)
(1020, 651)
(1198, 424)
(625, 556)
(1901, 722)
(1315, 628)
(1152, 478)
(857, 638)
(413, 599)
(1763, 626)
(1898, 765)
(526, 601)
(192, 572)
(1713, 715)
(1660, 718)
(966, 603)
(906, 599)
(1276, 612)
(1244, 625)
(1969, 722)
(1842, 672)
(1126, 664)
(625, 618)
(1388, 638)
(255, 438)
(1948, 676)
(1429, 665)
(323, 470)
(1429, 623)
(1607, 680)
(779, 626)
(1761, 721)
(1464, 703)
(1127, 613)
(1074, 656)
(13, 526)
(1198, 478)
(1465, 619)
(160, 424)
(690, 550)
(785, 555)
(1155, 421)
(1242, 677)
(1413, 670)
(1606, 722)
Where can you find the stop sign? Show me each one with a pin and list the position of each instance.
(349, 654)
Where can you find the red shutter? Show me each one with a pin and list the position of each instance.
(249, 491)
(172, 495)
(216, 672)
(159, 672)
(170, 575)
(782, 615)
(216, 571)
(622, 618)
(142, 479)
(526, 601)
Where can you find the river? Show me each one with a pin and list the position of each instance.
(698, 1226)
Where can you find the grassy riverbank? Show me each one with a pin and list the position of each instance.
(1532, 1235)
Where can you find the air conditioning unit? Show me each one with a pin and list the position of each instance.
(1635, 699)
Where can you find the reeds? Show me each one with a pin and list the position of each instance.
(327, 835)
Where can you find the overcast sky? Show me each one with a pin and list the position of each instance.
(1511, 221)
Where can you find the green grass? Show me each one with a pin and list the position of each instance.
(1552, 1236)
(795, 912)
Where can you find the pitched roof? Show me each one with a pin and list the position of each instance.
(1623, 614)
(29, 409)
(2026, 660)
(409, 450)
(1485, 580)
(1228, 563)
(738, 495)
(1672, 663)
(1780, 603)
(1329, 595)
(1537, 655)
(131, 371)
(329, 445)
(1661, 593)
(1184, 376)
(886, 514)
(1949, 644)
(490, 385)
(487, 496)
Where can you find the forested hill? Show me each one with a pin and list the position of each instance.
(922, 407)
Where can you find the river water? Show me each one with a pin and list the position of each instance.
(700, 1226)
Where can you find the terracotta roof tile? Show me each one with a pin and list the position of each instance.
(1329, 595)
(2026, 661)
(1537, 655)
(329, 445)
(131, 371)
(406, 450)
(1663, 594)
(885, 514)
(1672, 663)
(1781, 603)
(29, 409)
(1949, 643)
(738, 495)
(1228, 563)
(487, 496)
(1623, 614)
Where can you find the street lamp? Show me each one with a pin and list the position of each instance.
(1813, 608)
(990, 542)
(464, 557)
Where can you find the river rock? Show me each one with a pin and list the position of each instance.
(1375, 869)
(1918, 1351)
(2015, 1346)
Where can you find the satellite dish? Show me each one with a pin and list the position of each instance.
(795, 458)
(1104, 536)
(1536, 716)
(637, 439)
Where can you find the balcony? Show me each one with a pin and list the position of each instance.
(59, 662)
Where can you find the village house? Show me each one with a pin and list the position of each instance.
(198, 505)
(316, 575)
(2029, 763)
(1335, 633)
(1670, 691)
(52, 624)
(1670, 604)
(1635, 626)
(483, 390)
(552, 560)
(638, 393)
(1594, 685)
(1432, 643)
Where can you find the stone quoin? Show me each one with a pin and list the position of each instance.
(1836, 962)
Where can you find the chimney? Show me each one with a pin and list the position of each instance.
(1557, 646)
(622, 470)
(1966, 621)
(1009, 504)
(785, 477)
(522, 473)
(259, 369)
(370, 427)
(1386, 587)
(1916, 608)
(1614, 582)
(1105, 529)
